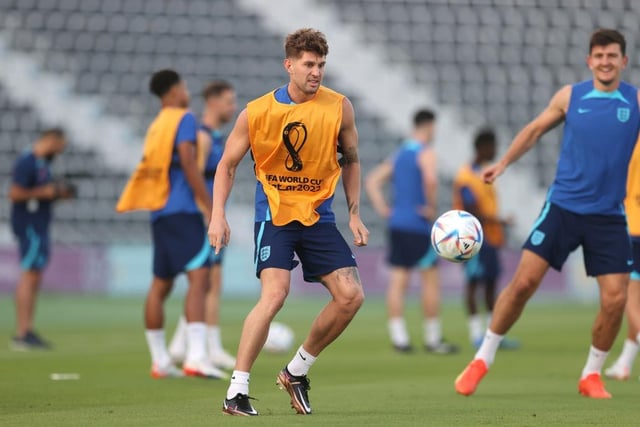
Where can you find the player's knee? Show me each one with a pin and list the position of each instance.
(523, 287)
(274, 299)
(351, 299)
(614, 302)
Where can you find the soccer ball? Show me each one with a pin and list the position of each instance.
(457, 236)
(280, 338)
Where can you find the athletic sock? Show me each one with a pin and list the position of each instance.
(432, 331)
(398, 332)
(178, 344)
(301, 363)
(475, 328)
(595, 361)
(628, 354)
(196, 342)
(489, 347)
(239, 384)
(157, 347)
(214, 339)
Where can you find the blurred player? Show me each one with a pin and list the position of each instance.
(621, 368)
(293, 133)
(219, 109)
(168, 182)
(472, 194)
(414, 180)
(32, 194)
(583, 208)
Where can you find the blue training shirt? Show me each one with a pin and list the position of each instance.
(181, 198)
(600, 132)
(262, 210)
(215, 154)
(408, 190)
(29, 172)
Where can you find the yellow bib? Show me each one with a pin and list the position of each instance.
(149, 186)
(486, 200)
(294, 149)
(632, 201)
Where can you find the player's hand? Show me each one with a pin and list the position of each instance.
(428, 212)
(50, 191)
(360, 232)
(492, 172)
(219, 233)
(383, 210)
(508, 221)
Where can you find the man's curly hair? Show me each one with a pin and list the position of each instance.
(305, 40)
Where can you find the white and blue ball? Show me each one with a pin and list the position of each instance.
(280, 338)
(457, 236)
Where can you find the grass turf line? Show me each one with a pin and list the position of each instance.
(358, 381)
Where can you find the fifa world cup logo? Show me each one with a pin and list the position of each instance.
(294, 136)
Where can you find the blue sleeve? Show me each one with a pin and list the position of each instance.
(187, 129)
(468, 199)
(23, 172)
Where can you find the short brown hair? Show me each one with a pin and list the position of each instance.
(56, 132)
(305, 40)
(216, 88)
(605, 36)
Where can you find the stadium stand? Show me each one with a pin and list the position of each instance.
(496, 62)
(109, 49)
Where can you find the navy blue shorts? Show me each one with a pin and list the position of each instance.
(485, 266)
(635, 272)
(216, 259)
(320, 248)
(604, 239)
(179, 244)
(33, 243)
(409, 249)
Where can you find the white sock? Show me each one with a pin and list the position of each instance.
(628, 354)
(178, 344)
(214, 339)
(488, 318)
(432, 331)
(301, 363)
(196, 342)
(594, 361)
(489, 347)
(239, 384)
(398, 332)
(475, 328)
(157, 347)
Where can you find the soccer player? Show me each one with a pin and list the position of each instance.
(168, 182)
(621, 368)
(220, 107)
(294, 133)
(583, 207)
(32, 194)
(414, 181)
(472, 194)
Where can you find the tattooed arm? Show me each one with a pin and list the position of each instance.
(351, 172)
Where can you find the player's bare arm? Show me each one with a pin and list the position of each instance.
(187, 155)
(19, 194)
(552, 116)
(203, 149)
(236, 147)
(428, 169)
(348, 139)
(374, 183)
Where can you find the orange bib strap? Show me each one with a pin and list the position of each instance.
(148, 187)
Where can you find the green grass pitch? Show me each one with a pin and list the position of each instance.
(358, 381)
